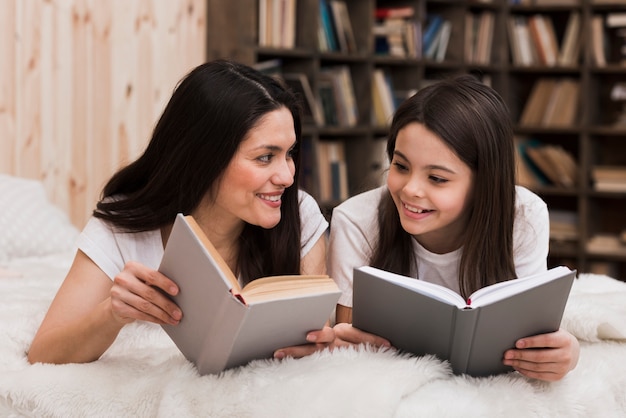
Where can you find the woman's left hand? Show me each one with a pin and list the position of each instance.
(546, 357)
(341, 335)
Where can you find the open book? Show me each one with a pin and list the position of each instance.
(225, 325)
(426, 318)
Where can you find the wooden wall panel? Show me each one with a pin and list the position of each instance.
(82, 83)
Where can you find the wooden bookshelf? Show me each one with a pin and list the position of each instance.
(591, 137)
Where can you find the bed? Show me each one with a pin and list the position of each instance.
(144, 375)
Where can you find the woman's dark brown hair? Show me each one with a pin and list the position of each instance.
(209, 114)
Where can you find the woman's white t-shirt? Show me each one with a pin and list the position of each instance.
(354, 232)
(111, 250)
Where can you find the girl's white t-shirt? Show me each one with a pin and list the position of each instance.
(111, 250)
(354, 231)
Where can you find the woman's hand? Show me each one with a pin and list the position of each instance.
(546, 357)
(341, 335)
(139, 292)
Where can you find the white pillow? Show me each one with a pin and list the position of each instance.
(30, 225)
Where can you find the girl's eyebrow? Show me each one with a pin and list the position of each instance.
(431, 167)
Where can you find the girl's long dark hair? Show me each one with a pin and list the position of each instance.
(473, 120)
(208, 116)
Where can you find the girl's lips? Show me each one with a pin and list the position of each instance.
(414, 212)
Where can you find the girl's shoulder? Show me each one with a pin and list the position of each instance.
(526, 200)
(363, 207)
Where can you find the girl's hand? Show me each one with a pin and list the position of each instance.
(139, 292)
(341, 335)
(546, 357)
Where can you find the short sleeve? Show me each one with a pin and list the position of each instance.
(314, 225)
(98, 243)
(353, 233)
(531, 233)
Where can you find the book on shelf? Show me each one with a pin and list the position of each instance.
(563, 225)
(551, 163)
(570, 47)
(552, 102)
(382, 97)
(524, 174)
(609, 178)
(615, 20)
(339, 79)
(538, 99)
(226, 325)
(272, 67)
(397, 37)
(523, 51)
(433, 25)
(606, 244)
(425, 318)
(277, 23)
(343, 26)
(562, 108)
(299, 84)
(328, 33)
(484, 39)
(394, 12)
(333, 170)
(598, 52)
(544, 39)
(435, 47)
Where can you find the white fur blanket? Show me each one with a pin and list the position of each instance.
(144, 375)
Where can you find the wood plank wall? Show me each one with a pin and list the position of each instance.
(82, 83)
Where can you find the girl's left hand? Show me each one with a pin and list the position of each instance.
(341, 335)
(546, 357)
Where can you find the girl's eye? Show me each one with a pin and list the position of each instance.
(439, 180)
(399, 166)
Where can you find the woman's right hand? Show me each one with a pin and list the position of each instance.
(139, 292)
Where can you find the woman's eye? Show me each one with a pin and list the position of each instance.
(265, 158)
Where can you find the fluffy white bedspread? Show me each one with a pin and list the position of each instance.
(144, 375)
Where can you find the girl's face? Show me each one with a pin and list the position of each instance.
(262, 168)
(431, 188)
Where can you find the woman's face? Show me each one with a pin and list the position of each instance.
(431, 188)
(262, 168)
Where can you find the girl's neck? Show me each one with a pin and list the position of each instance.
(438, 243)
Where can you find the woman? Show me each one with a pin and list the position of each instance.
(225, 150)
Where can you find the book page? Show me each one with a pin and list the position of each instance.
(503, 290)
(208, 245)
(284, 287)
(426, 288)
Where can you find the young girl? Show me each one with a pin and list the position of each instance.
(226, 151)
(451, 213)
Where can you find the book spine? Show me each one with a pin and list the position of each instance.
(464, 325)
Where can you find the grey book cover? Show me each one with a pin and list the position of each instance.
(218, 329)
(410, 314)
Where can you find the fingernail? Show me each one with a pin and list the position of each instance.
(177, 314)
(279, 355)
(311, 338)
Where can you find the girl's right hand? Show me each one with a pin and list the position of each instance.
(139, 292)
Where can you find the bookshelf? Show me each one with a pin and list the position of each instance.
(478, 40)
